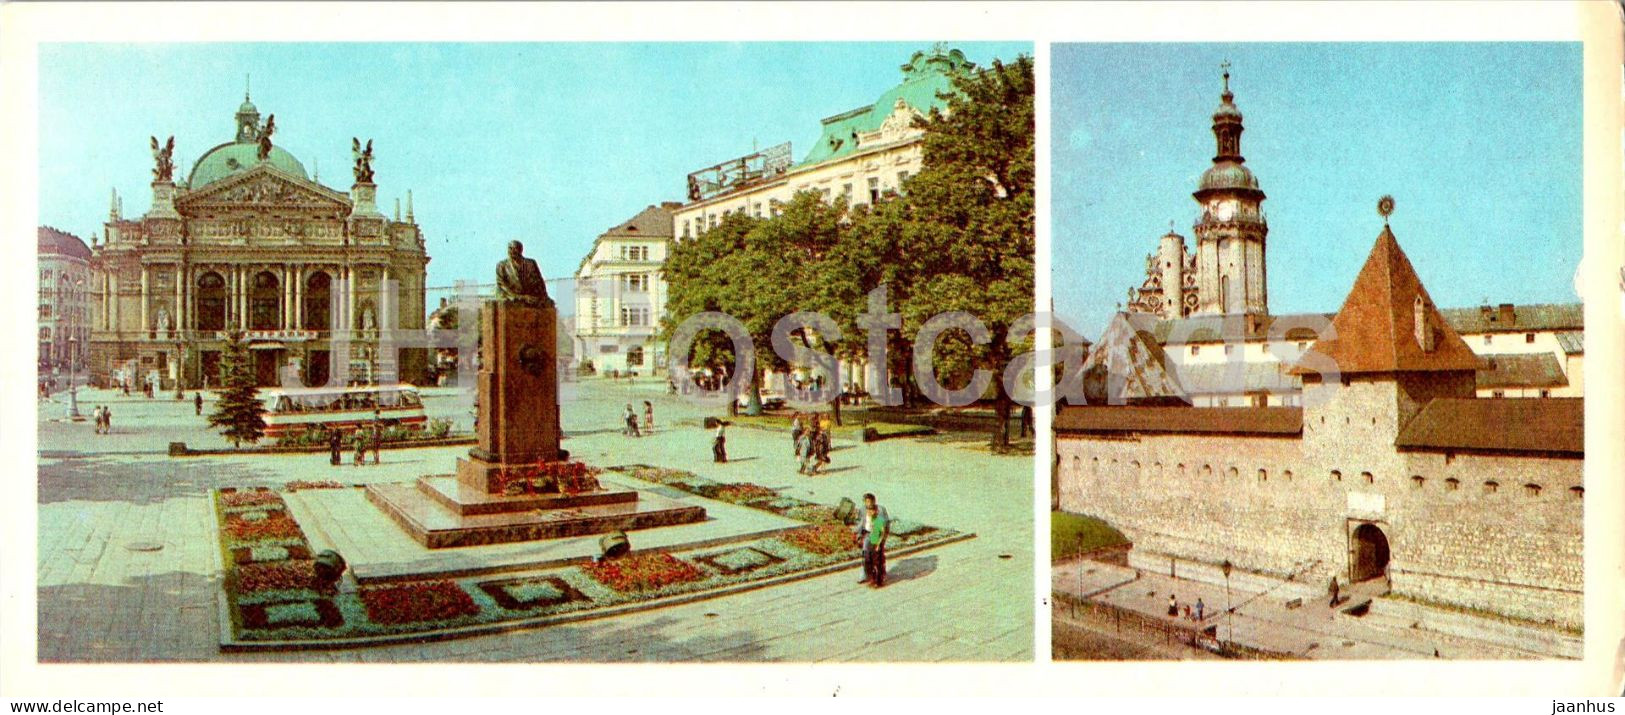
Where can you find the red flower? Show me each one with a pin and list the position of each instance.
(275, 526)
(252, 498)
(415, 602)
(643, 572)
(275, 575)
(822, 539)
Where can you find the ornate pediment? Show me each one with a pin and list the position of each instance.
(265, 187)
(897, 126)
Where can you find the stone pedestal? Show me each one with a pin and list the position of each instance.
(518, 393)
(518, 428)
(163, 201)
(364, 201)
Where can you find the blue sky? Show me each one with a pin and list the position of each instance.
(1479, 143)
(548, 143)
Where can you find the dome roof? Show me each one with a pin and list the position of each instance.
(61, 243)
(236, 157)
(1227, 111)
(1227, 175)
(247, 107)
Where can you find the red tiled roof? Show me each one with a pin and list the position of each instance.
(1281, 421)
(1520, 425)
(1375, 328)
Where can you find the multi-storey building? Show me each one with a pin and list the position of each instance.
(64, 300)
(323, 285)
(619, 296)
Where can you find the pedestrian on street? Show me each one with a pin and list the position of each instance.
(360, 442)
(648, 417)
(197, 402)
(97, 414)
(335, 448)
(107, 420)
(1334, 592)
(796, 430)
(377, 440)
(820, 447)
(872, 530)
(631, 420)
(1173, 606)
(1026, 420)
(719, 445)
(1199, 608)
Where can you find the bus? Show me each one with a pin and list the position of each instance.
(293, 411)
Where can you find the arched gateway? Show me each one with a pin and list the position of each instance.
(1368, 553)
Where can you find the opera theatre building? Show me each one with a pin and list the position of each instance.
(320, 283)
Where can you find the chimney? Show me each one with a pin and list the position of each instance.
(1507, 315)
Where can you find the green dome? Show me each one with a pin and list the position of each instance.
(1227, 175)
(237, 157)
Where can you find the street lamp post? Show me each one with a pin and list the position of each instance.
(73, 379)
(1229, 611)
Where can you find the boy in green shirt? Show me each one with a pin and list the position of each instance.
(875, 527)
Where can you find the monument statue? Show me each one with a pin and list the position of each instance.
(265, 137)
(519, 280)
(163, 158)
(363, 160)
(163, 323)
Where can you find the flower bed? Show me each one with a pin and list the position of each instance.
(300, 484)
(643, 572)
(822, 539)
(418, 601)
(271, 598)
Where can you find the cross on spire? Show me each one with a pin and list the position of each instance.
(248, 85)
(1225, 65)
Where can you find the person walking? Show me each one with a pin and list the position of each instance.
(197, 403)
(796, 430)
(631, 420)
(872, 530)
(376, 437)
(335, 448)
(107, 420)
(100, 424)
(1173, 605)
(360, 442)
(719, 445)
(820, 447)
(648, 417)
(1333, 589)
(1199, 607)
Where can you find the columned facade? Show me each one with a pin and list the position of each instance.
(249, 243)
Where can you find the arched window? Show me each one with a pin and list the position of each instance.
(1577, 492)
(1531, 489)
(265, 302)
(1417, 481)
(1491, 486)
(1263, 475)
(1287, 475)
(1207, 470)
(1452, 484)
(211, 302)
(1337, 476)
(1368, 478)
(318, 300)
(1232, 473)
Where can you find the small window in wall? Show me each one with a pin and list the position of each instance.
(1487, 339)
(1577, 492)
(1417, 481)
(1180, 468)
(685, 229)
(1531, 490)
(756, 209)
(1196, 349)
(1287, 475)
(1207, 470)
(874, 189)
(1136, 465)
(1498, 393)
(1337, 476)
(634, 357)
(1233, 473)
(1263, 475)
(1368, 478)
(1303, 345)
(1529, 337)
(1452, 484)
(1545, 393)
(1490, 487)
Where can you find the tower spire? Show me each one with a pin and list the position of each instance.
(248, 85)
(1225, 65)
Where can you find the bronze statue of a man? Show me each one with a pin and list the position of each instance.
(519, 280)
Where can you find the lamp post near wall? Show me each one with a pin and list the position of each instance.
(1229, 611)
(73, 381)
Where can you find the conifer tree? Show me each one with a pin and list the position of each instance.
(239, 410)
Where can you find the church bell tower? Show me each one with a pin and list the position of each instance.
(1230, 232)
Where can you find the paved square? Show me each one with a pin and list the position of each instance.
(101, 601)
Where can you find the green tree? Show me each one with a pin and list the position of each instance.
(239, 411)
(968, 234)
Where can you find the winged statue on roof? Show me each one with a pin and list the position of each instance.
(163, 160)
(363, 160)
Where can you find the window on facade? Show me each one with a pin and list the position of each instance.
(1207, 470)
(1545, 393)
(634, 316)
(1529, 337)
(635, 253)
(1263, 475)
(1531, 490)
(1417, 481)
(1287, 475)
(1369, 479)
(1337, 476)
(1452, 484)
(1498, 393)
(1196, 349)
(685, 229)
(713, 223)
(637, 282)
(1577, 492)
(902, 177)
(874, 189)
(1487, 339)
(1491, 486)
(45, 310)
(1303, 345)
(1232, 473)
(1227, 349)
(756, 209)
(634, 357)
